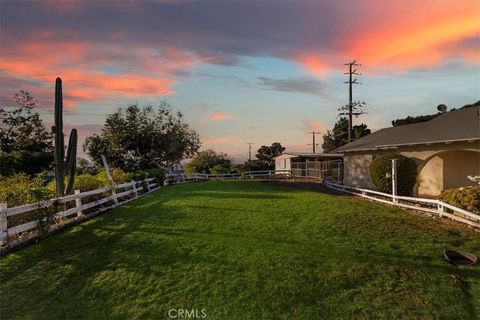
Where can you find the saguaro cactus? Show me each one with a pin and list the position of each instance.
(63, 166)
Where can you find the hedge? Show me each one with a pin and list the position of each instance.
(20, 189)
(380, 172)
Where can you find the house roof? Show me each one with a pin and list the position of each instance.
(312, 155)
(457, 125)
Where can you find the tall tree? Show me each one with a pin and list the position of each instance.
(209, 161)
(139, 138)
(21, 128)
(266, 155)
(339, 134)
(25, 144)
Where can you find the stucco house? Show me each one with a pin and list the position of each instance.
(446, 150)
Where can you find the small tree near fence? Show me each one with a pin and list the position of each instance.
(381, 168)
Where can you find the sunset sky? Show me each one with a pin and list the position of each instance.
(240, 71)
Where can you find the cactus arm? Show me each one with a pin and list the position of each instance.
(72, 147)
(59, 153)
(71, 160)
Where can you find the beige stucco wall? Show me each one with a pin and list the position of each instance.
(448, 169)
(430, 178)
(440, 166)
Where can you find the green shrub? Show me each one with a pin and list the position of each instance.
(381, 169)
(136, 175)
(467, 198)
(158, 173)
(87, 182)
(219, 169)
(83, 182)
(118, 177)
(145, 174)
(20, 189)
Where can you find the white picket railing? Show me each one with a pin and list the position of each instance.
(422, 204)
(187, 177)
(118, 194)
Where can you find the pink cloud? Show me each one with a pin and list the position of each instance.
(397, 40)
(221, 116)
(84, 67)
(315, 126)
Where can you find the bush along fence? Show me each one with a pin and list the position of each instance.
(19, 225)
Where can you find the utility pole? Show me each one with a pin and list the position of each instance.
(313, 144)
(352, 108)
(250, 150)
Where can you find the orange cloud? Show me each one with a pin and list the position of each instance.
(398, 38)
(221, 116)
(83, 68)
(314, 63)
(315, 126)
(416, 45)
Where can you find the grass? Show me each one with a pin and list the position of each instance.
(245, 250)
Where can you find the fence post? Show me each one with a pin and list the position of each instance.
(440, 209)
(78, 203)
(3, 223)
(147, 184)
(394, 180)
(134, 187)
(114, 194)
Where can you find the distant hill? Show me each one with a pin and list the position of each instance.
(423, 118)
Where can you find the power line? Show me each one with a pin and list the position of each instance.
(250, 150)
(313, 144)
(352, 108)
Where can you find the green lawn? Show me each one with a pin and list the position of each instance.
(245, 250)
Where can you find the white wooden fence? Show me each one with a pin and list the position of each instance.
(264, 174)
(434, 206)
(118, 195)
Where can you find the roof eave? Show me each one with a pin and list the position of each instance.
(395, 146)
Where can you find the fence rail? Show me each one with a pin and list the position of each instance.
(434, 206)
(187, 177)
(37, 215)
